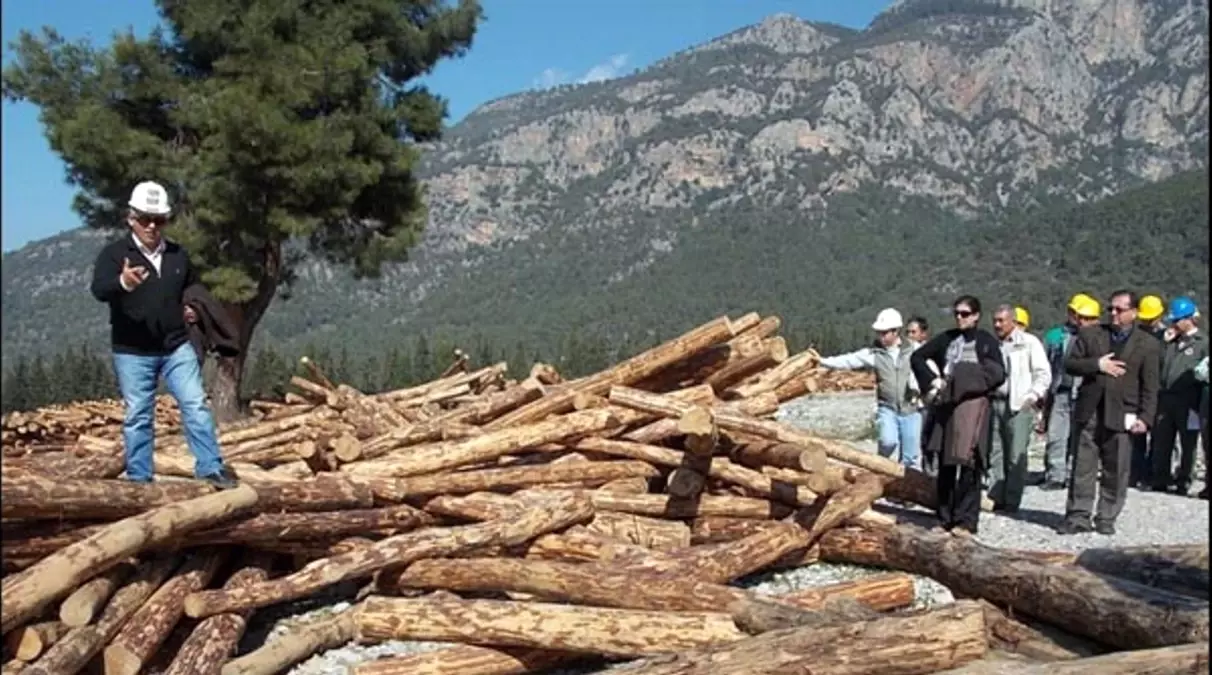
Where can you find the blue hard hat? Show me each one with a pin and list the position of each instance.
(1181, 307)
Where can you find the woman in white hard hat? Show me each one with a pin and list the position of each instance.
(898, 405)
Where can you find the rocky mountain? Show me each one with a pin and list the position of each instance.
(826, 160)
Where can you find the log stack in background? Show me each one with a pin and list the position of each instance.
(537, 522)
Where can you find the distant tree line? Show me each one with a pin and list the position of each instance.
(83, 372)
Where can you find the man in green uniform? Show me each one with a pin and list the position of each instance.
(1178, 400)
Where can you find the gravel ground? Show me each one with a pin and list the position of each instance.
(1148, 518)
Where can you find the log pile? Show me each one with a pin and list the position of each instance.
(539, 522)
(57, 427)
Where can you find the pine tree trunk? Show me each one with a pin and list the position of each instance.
(225, 388)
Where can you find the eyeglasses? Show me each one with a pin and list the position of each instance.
(151, 221)
(1119, 310)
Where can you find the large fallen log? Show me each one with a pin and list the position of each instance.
(1180, 569)
(552, 513)
(279, 654)
(78, 646)
(467, 660)
(1114, 611)
(215, 638)
(1175, 660)
(896, 645)
(28, 643)
(26, 593)
(138, 640)
(593, 630)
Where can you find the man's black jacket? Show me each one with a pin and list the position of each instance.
(148, 320)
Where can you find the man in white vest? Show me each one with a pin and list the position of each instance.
(898, 403)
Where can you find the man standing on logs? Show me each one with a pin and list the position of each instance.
(1119, 367)
(898, 417)
(1058, 342)
(958, 369)
(143, 277)
(1178, 400)
(1014, 405)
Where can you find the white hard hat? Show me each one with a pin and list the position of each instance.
(150, 198)
(887, 319)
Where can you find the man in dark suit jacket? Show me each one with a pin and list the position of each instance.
(1119, 365)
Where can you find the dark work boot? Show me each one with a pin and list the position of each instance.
(223, 480)
(1105, 527)
(1074, 526)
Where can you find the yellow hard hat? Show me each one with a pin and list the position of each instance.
(1085, 306)
(1151, 307)
(1022, 317)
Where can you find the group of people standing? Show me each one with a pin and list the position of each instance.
(1111, 399)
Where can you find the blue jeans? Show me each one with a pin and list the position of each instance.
(896, 431)
(137, 378)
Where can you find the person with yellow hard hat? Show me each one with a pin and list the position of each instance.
(1022, 318)
(1151, 316)
(1084, 311)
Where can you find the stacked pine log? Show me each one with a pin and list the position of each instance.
(542, 522)
(57, 427)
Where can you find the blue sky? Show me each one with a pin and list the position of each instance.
(522, 44)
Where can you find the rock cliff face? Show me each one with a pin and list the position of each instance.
(978, 104)
(970, 107)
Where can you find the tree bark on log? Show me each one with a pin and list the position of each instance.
(1175, 660)
(481, 480)
(594, 630)
(896, 645)
(577, 544)
(722, 563)
(880, 592)
(299, 643)
(468, 660)
(137, 642)
(1009, 635)
(36, 496)
(658, 404)
(546, 515)
(311, 526)
(214, 639)
(26, 593)
(1179, 569)
(67, 465)
(717, 529)
(635, 369)
(436, 457)
(74, 650)
(29, 642)
(1114, 611)
(654, 533)
(79, 608)
(664, 506)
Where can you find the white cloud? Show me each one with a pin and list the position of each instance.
(606, 70)
(552, 77)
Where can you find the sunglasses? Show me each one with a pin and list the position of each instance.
(963, 313)
(150, 221)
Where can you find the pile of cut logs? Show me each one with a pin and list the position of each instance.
(540, 523)
(57, 427)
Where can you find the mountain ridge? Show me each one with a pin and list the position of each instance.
(940, 115)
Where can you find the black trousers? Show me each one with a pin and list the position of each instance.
(959, 495)
(1101, 461)
(1172, 413)
(1142, 462)
(929, 457)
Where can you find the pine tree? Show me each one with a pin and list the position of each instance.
(266, 120)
